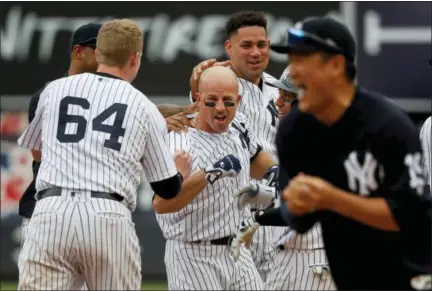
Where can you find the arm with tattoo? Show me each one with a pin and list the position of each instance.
(168, 110)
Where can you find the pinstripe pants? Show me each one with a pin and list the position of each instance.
(24, 226)
(263, 251)
(70, 240)
(208, 267)
(294, 269)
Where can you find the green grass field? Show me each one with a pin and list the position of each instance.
(149, 286)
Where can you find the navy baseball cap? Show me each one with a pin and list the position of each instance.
(86, 35)
(284, 83)
(319, 34)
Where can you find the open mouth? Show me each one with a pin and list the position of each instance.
(220, 118)
(300, 91)
(254, 63)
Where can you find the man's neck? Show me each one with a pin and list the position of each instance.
(342, 100)
(74, 70)
(115, 71)
(255, 81)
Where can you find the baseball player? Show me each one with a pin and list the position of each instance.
(287, 93)
(425, 138)
(247, 46)
(365, 185)
(83, 44)
(98, 135)
(199, 223)
(297, 265)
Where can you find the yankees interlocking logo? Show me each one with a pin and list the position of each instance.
(273, 111)
(245, 140)
(361, 178)
(415, 171)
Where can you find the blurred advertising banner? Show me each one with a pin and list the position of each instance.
(394, 41)
(178, 35)
(395, 51)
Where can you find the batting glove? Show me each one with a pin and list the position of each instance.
(243, 235)
(256, 194)
(228, 166)
(271, 176)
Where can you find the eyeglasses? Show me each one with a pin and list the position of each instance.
(287, 97)
(301, 37)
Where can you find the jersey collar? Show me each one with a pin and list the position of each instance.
(107, 75)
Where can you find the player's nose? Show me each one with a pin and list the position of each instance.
(220, 106)
(255, 51)
(279, 102)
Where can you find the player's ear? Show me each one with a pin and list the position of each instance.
(197, 97)
(76, 52)
(96, 53)
(228, 47)
(135, 59)
(238, 98)
(337, 64)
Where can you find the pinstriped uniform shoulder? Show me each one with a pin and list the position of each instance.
(258, 104)
(268, 78)
(247, 136)
(99, 134)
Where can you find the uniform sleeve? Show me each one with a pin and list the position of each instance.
(157, 161)
(32, 136)
(425, 138)
(406, 190)
(34, 100)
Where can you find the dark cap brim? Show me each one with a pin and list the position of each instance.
(289, 49)
(278, 84)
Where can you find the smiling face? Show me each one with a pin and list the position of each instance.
(284, 101)
(315, 76)
(248, 50)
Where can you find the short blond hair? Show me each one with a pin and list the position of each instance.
(117, 40)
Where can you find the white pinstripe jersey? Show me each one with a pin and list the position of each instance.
(259, 106)
(425, 138)
(98, 133)
(214, 213)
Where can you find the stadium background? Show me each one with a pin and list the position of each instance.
(394, 52)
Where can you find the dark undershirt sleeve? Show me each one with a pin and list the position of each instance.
(269, 217)
(168, 188)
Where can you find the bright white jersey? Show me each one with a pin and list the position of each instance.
(214, 213)
(425, 138)
(259, 106)
(98, 133)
